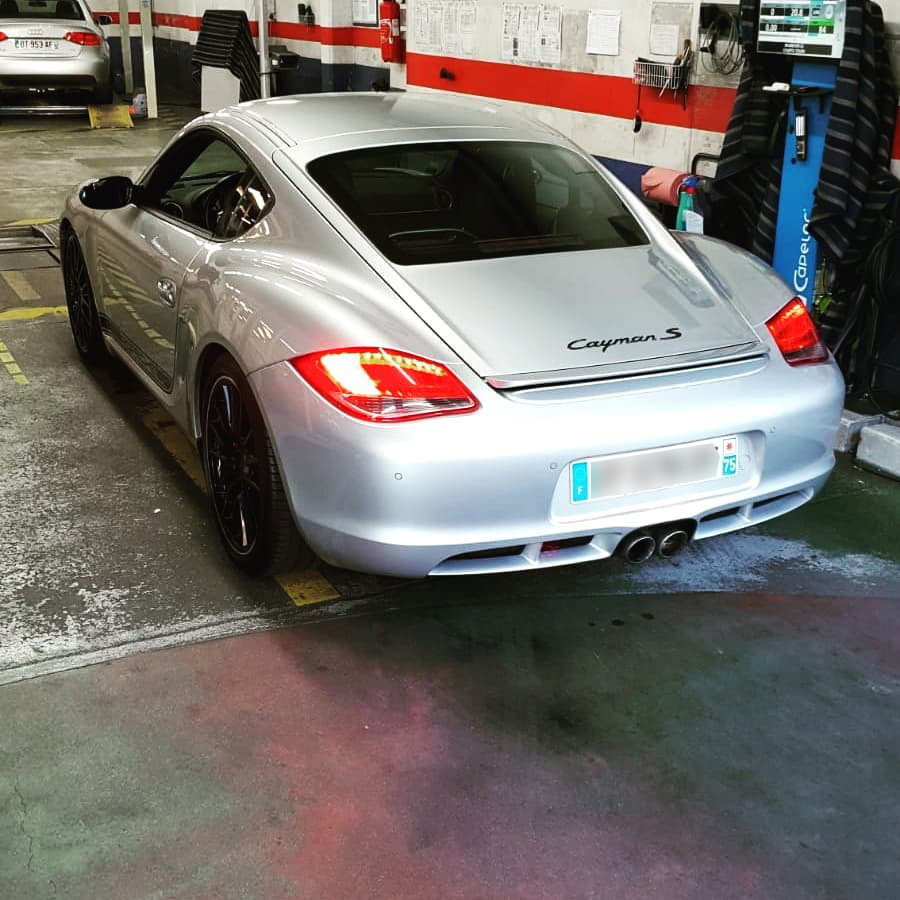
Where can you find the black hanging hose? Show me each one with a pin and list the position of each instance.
(883, 267)
(722, 51)
(883, 274)
(875, 305)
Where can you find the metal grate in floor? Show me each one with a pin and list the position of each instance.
(25, 247)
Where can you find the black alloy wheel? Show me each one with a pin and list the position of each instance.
(83, 318)
(245, 486)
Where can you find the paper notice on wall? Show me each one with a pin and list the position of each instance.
(509, 41)
(603, 29)
(435, 25)
(468, 15)
(532, 33)
(450, 27)
(444, 26)
(422, 28)
(365, 12)
(551, 35)
(664, 40)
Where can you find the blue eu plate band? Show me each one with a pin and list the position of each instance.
(581, 482)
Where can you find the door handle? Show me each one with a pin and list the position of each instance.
(166, 288)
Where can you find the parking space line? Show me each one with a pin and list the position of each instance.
(43, 221)
(12, 367)
(158, 422)
(20, 285)
(304, 588)
(24, 313)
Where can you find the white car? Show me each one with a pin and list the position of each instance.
(53, 45)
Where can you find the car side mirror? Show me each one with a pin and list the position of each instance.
(104, 20)
(113, 192)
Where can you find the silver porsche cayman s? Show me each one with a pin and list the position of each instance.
(417, 335)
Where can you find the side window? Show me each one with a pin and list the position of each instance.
(206, 183)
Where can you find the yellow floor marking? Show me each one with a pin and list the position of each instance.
(19, 283)
(12, 367)
(304, 588)
(24, 313)
(307, 587)
(159, 423)
(32, 222)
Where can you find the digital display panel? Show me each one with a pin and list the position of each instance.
(812, 28)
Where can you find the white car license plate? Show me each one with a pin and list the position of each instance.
(625, 474)
(35, 44)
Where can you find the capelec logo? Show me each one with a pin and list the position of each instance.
(801, 273)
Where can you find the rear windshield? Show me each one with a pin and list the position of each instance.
(68, 10)
(433, 203)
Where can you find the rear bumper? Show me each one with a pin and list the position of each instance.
(406, 499)
(86, 71)
(541, 551)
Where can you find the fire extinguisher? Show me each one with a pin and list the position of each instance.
(389, 28)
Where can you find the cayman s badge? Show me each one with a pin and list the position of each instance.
(671, 334)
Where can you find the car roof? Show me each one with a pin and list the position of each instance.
(314, 117)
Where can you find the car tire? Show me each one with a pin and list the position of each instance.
(245, 487)
(83, 318)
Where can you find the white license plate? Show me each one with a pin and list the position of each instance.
(35, 44)
(625, 474)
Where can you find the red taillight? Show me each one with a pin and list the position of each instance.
(379, 385)
(796, 335)
(83, 38)
(3, 37)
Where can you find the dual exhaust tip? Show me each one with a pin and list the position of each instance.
(667, 541)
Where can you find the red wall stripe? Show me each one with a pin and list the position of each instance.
(707, 108)
(352, 36)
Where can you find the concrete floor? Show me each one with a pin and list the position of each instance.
(44, 158)
(723, 725)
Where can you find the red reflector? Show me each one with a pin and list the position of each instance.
(379, 385)
(3, 37)
(796, 335)
(83, 38)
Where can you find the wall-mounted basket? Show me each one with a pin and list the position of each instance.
(674, 76)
